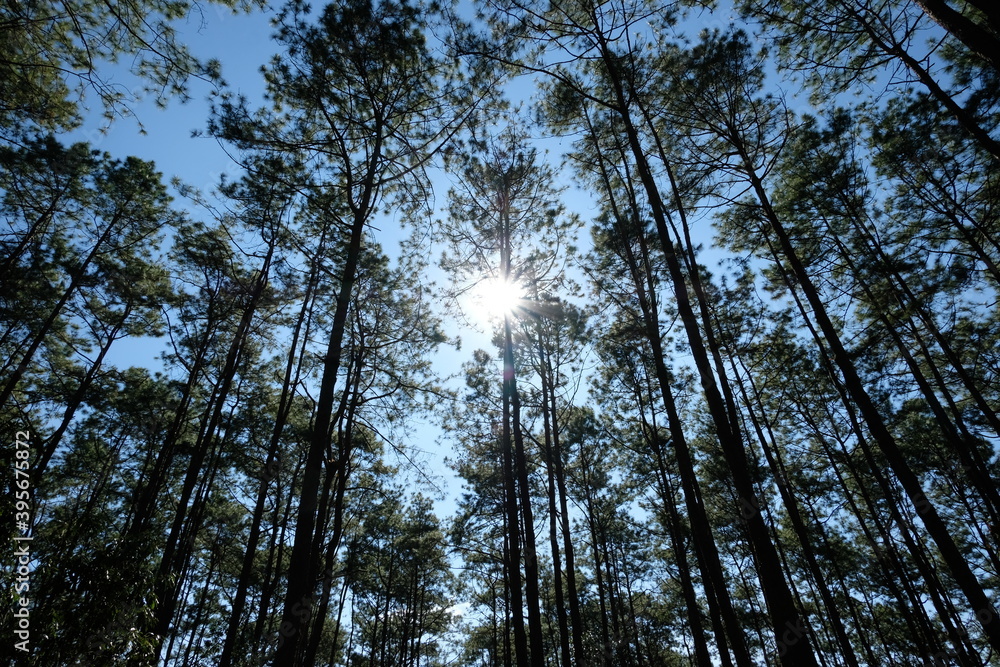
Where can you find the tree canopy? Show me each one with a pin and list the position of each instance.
(731, 272)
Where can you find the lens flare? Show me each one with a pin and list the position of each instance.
(495, 297)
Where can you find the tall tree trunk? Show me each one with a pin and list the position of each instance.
(791, 632)
(299, 597)
(772, 454)
(549, 449)
(532, 597)
(548, 375)
(271, 464)
(706, 551)
(980, 603)
(169, 570)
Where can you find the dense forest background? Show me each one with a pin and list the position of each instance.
(737, 403)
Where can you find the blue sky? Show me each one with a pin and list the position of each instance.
(242, 42)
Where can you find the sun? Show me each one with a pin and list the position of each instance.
(495, 297)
